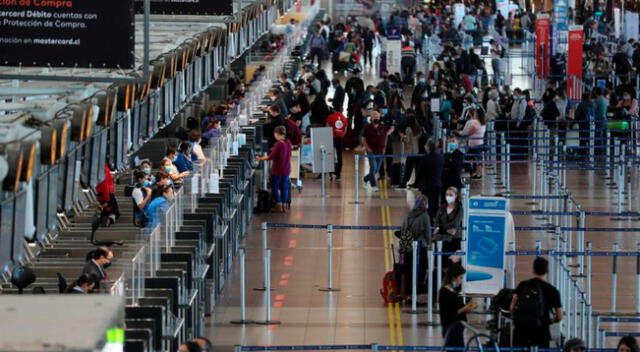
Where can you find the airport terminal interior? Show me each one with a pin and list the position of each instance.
(306, 175)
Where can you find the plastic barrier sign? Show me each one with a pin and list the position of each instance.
(67, 33)
(485, 245)
(188, 7)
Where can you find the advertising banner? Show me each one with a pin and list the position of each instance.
(561, 14)
(188, 7)
(542, 44)
(574, 66)
(67, 33)
(485, 245)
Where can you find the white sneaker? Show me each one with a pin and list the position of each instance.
(374, 189)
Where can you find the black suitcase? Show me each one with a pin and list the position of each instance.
(396, 174)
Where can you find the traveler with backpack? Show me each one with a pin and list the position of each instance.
(280, 157)
(416, 227)
(452, 307)
(533, 302)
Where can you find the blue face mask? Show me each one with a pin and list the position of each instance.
(168, 169)
(451, 146)
(174, 159)
(147, 183)
(169, 182)
(423, 80)
(147, 170)
(384, 111)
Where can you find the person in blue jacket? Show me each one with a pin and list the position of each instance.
(159, 205)
(183, 159)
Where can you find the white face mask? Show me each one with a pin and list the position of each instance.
(450, 199)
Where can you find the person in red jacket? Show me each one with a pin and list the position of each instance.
(280, 157)
(338, 122)
(294, 133)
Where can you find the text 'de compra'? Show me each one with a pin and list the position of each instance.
(53, 3)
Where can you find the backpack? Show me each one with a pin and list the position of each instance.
(530, 310)
(265, 202)
(407, 237)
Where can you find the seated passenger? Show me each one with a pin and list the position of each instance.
(145, 166)
(141, 196)
(163, 179)
(83, 285)
(183, 158)
(213, 129)
(197, 154)
(101, 259)
(159, 205)
(170, 168)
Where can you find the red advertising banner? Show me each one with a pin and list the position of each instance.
(543, 28)
(574, 62)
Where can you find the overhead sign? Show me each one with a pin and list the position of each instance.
(67, 33)
(188, 7)
(485, 245)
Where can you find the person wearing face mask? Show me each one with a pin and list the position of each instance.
(418, 91)
(159, 205)
(374, 139)
(494, 111)
(99, 260)
(448, 224)
(145, 166)
(416, 227)
(627, 106)
(169, 167)
(141, 196)
(183, 158)
(452, 307)
(275, 120)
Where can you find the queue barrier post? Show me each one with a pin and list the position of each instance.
(439, 272)
(267, 312)
(323, 158)
(614, 280)
(628, 182)
(581, 224)
(588, 270)
(329, 287)
(508, 168)
(512, 266)
(356, 179)
(265, 174)
(243, 299)
(430, 321)
(414, 280)
(638, 280)
(264, 229)
(592, 142)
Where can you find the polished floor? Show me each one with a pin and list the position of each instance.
(356, 314)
